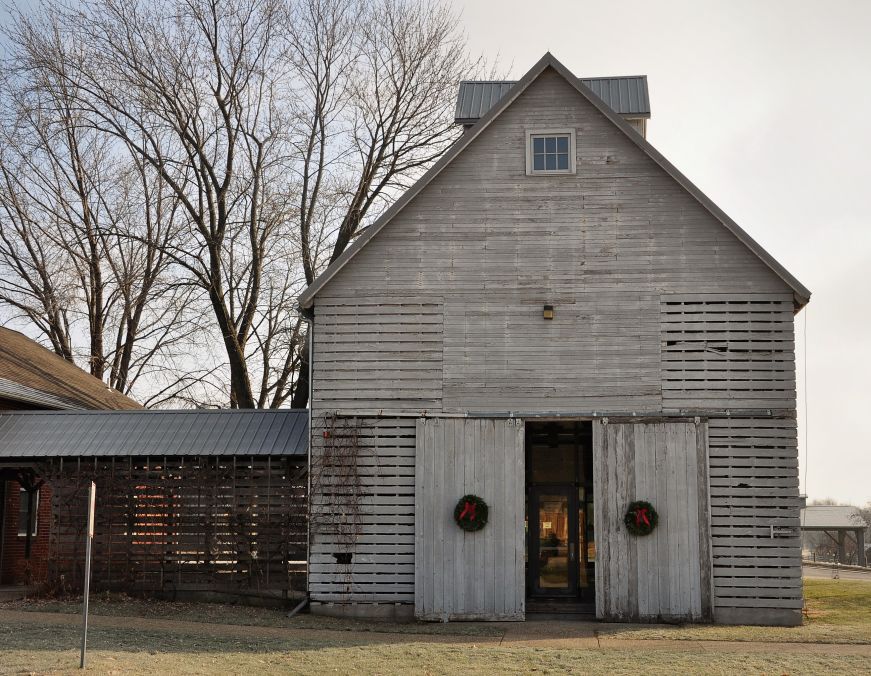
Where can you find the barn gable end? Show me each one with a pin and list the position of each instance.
(669, 322)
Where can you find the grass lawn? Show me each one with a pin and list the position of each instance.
(52, 650)
(840, 612)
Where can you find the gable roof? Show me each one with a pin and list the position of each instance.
(801, 294)
(31, 374)
(627, 95)
(32, 434)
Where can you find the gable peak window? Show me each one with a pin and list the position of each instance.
(550, 151)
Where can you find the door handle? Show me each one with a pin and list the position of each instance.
(572, 551)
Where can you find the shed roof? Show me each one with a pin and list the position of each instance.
(34, 375)
(801, 295)
(32, 434)
(830, 517)
(626, 95)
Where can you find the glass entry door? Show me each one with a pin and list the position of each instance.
(553, 536)
(561, 546)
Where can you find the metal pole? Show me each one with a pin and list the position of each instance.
(89, 536)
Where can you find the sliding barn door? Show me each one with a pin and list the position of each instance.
(666, 574)
(460, 575)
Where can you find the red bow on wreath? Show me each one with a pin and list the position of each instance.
(468, 508)
(641, 515)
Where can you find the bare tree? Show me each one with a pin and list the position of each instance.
(280, 128)
(69, 207)
(378, 82)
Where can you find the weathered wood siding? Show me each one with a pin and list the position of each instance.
(728, 351)
(755, 521)
(381, 569)
(667, 574)
(659, 310)
(487, 246)
(460, 575)
(384, 353)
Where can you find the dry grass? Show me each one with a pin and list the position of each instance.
(837, 611)
(840, 611)
(52, 650)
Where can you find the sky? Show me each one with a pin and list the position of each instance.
(764, 105)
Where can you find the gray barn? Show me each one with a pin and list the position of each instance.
(554, 319)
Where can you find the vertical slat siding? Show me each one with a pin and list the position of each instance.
(382, 564)
(488, 586)
(728, 351)
(659, 576)
(754, 488)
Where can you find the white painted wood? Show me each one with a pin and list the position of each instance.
(470, 576)
(664, 575)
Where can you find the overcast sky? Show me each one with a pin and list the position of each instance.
(765, 106)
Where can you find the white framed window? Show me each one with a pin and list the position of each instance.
(550, 151)
(24, 513)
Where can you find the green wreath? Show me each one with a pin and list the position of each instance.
(471, 513)
(641, 518)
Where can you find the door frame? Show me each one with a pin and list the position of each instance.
(583, 480)
(570, 491)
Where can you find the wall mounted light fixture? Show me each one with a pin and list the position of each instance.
(548, 312)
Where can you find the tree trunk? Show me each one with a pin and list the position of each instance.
(300, 390)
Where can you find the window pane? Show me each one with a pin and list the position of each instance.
(562, 162)
(23, 513)
(538, 145)
(538, 162)
(550, 164)
(550, 144)
(562, 144)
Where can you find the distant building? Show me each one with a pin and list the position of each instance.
(834, 533)
(34, 378)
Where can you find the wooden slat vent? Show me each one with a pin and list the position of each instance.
(755, 515)
(727, 352)
(380, 568)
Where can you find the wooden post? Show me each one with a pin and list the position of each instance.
(89, 536)
(860, 546)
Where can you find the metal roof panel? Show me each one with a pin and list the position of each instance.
(156, 433)
(626, 95)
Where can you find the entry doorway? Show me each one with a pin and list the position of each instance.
(561, 545)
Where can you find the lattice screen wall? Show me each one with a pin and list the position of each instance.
(181, 523)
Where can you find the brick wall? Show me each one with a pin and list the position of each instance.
(15, 569)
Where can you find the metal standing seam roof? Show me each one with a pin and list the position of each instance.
(32, 434)
(830, 517)
(626, 95)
